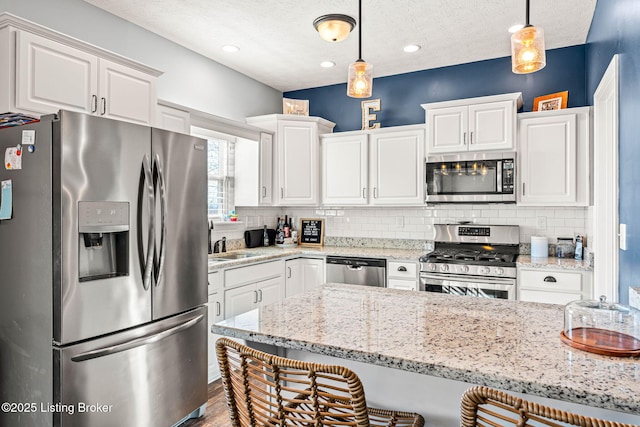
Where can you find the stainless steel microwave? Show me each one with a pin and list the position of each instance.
(481, 177)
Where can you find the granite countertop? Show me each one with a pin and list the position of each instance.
(553, 263)
(274, 252)
(504, 344)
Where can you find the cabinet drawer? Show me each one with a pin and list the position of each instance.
(408, 285)
(547, 297)
(253, 273)
(402, 270)
(215, 282)
(550, 280)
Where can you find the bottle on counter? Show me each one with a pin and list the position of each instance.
(578, 252)
(286, 227)
(265, 237)
(279, 233)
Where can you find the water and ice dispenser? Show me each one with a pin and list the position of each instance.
(103, 240)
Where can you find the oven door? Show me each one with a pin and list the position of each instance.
(453, 284)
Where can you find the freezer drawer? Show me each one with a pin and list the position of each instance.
(147, 376)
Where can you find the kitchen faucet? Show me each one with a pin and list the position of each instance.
(216, 245)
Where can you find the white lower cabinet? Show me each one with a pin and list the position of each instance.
(402, 275)
(216, 314)
(303, 274)
(249, 287)
(553, 286)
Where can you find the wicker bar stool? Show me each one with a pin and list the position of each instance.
(266, 390)
(484, 406)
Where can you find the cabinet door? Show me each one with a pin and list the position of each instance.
(270, 291)
(407, 285)
(313, 273)
(126, 94)
(172, 119)
(51, 76)
(216, 314)
(447, 129)
(294, 278)
(298, 152)
(344, 170)
(240, 300)
(548, 160)
(397, 168)
(491, 126)
(266, 169)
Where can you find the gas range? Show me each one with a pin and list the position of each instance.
(477, 260)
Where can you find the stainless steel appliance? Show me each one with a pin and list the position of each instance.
(475, 260)
(471, 177)
(356, 271)
(104, 274)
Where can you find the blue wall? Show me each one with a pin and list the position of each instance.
(401, 95)
(616, 29)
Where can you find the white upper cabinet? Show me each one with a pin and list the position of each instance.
(297, 156)
(375, 167)
(474, 124)
(397, 163)
(345, 169)
(254, 171)
(173, 119)
(554, 159)
(46, 71)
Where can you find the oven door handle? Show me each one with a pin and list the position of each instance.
(468, 279)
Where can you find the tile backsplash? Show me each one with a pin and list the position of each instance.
(417, 222)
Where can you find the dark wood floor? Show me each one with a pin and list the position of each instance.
(217, 414)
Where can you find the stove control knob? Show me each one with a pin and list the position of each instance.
(484, 270)
(464, 269)
(432, 267)
(444, 267)
(499, 271)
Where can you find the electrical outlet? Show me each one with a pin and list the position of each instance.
(541, 223)
(623, 237)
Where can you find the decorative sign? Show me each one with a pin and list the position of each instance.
(368, 106)
(311, 232)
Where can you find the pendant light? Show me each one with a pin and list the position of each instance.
(527, 48)
(334, 27)
(360, 78)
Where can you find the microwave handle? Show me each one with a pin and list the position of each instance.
(499, 188)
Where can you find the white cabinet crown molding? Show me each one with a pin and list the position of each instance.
(515, 96)
(10, 20)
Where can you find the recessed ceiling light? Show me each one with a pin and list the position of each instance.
(515, 28)
(230, 48)
(327, 64)
(411, 48)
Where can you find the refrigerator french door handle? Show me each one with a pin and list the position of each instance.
(146, 184)
(157, 164)
(138, 342)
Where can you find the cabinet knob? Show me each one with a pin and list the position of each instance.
(550, 279)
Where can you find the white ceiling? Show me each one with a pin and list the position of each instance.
(279, 46)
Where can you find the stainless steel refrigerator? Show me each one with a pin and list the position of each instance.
(103, 274)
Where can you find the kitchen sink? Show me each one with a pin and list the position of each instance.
(232, 256)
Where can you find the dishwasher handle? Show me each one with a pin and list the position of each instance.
(357, 261)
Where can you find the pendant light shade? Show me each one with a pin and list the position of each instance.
(334, 27)
(360, 78)
(527, 49)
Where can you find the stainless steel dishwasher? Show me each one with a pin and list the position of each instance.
(357, 271)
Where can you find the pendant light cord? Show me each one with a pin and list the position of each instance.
(360, 30)
(527, 15)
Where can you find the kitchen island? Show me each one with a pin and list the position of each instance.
(419, 351)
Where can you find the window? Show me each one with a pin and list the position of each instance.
(220, 171)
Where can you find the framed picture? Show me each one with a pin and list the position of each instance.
(298, 107)
(311, 232)
(553, 101)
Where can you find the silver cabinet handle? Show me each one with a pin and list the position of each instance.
(255, 297)
(260, 295)
(364, 193)
(523, 188)
(471, 138)
(104, 106)
(464, 138)
(288, 272)
(94, 103)
(402, 268)
(550, 279)
(218, 308)
(375, 192)
(281, 193)
(264, 192)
